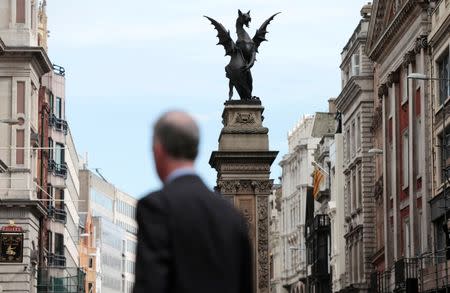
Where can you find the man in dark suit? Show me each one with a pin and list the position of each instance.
(190, 239)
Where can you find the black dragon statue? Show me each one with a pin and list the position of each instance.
(242, 53)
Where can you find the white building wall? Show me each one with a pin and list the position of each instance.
(296, 176)
(116, 211)
(72, 196)
(14, 33)
(336, 213)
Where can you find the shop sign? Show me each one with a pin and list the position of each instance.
(11, 244)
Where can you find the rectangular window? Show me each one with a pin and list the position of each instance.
(20, 97)
(354, 191)
(90, 288)
(51, 102)
(418, 147)
(49, 241)
(91, 262)
(352, 139)
(359, 188)
(356, 63)
(59, 198)
(59, 244)
(50, 151)
(445, 155)
(407, 239)
(405, 85)
(20, 11)
(58, 108)
(444, 72)
(348, 145)
(59, 153)
(405, 158)
(358, 132)
(20, 144)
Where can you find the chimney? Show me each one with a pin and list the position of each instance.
(332, 105)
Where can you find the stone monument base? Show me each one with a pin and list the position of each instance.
(243, 163)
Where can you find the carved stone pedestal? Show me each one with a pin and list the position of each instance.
(243, 168)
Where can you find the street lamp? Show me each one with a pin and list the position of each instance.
(375, 151)
(444, 146)
(420, 76)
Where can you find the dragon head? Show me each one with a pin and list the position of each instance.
(244, 18)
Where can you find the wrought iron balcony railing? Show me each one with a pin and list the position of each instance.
(58, 214)
(57, 123)
(57, 169)
(56, 260)
(320, 223)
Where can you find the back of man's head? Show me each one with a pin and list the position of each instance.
(178, 134)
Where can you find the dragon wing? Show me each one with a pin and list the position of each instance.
(260, 35)
(224, 37)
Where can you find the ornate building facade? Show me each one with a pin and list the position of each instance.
(397, 44)
(296, 179)
(275, 248)
(23, 206)
(355, 103)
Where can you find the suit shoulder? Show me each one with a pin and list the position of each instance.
(150, 199)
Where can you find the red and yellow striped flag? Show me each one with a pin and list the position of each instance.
(317, 179)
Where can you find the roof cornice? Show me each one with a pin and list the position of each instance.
(34, 52)
(396, 27)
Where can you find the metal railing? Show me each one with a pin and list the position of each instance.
(71, 283)
(58, 214)
(418, 274)
(56, 260)
(57, 169)
(58, 124)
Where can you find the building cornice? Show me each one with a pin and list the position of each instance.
(397, 26)
(443, 30)
(37, 53)
(351, 90)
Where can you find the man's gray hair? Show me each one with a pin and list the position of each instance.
(179, 135)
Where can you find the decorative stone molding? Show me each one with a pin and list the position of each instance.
(392, 78)
(240, 130)
(410, 57)
(245, 118)
(383, 37)
(382, 91)
(421, 43)
(245, 186)
(262, 187)
(378, 189)
(263, 244)
(246, 167)
(377, 118)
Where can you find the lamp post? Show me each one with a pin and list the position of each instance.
(420, 76)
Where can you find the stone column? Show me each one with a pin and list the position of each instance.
(243, 168)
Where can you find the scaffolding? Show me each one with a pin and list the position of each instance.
(72, 281)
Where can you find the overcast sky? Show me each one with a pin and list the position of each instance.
(127, 62)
